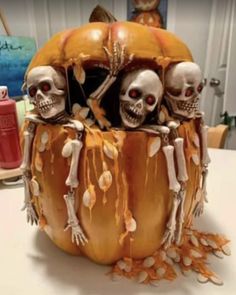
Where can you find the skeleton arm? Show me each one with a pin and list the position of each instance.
(175, 223)
(73, 148)
(29, 133)
(182, 178)
(205, 161)
(174, 187)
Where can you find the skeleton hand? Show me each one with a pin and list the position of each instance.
(118, 59)
(198, 210)
(32, 216)
(77, 234)
(169, 235)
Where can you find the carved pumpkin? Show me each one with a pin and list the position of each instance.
(123, 199)
(135, 175)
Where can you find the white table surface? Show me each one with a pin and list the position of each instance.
(31, 264)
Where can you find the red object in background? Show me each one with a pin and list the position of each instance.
(10, 152)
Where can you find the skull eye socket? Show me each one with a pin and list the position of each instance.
(174, 91)
(150, 100)
(134, 93)
(200, 87)
(32, 91)
(45, 86)
(189, 91)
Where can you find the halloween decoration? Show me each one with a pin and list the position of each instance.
(147, 13)
(183, 86)
(46, 89)
(124, 195)
(140, 92)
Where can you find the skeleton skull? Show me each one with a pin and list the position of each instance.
(46, 89)
(183, 85)
(140, 93)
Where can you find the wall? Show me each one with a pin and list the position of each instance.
(190, 21)
(41, 19)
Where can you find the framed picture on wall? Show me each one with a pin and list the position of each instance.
(15, 55)
(148, 12)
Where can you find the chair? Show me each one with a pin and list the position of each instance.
(217, 136)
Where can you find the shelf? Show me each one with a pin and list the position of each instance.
(8, 173)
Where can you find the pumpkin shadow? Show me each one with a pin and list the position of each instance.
(83, 276)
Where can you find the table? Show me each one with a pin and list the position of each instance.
(31, 264)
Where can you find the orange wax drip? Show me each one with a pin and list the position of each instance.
(94, 164)
(127, 213)
(146, 174)
(91, 190)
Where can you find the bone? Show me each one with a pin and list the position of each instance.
(73, 148)
(26, 189)
(169, 155)
(28, 137)
(181, 163)
(35, 187)
(173, 124)
(76, 125)
(31, 214)
(180, 216)
(73, 222)
(204, 183)
(205, 156)
(34, 118)
(169, 235)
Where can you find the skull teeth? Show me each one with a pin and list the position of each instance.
(131, 114)
(44, 107)
(187, 106)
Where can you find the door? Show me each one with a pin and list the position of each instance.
(216, 66)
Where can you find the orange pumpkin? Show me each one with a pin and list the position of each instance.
(139, 189)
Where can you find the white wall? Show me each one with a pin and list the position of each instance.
(190, 21)
(43, 18)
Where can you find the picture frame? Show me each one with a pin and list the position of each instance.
(161, 10)
(15, 56)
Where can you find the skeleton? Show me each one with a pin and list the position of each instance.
(177, 184)
(183, 83)
(140, 93)
(138, 88)
(73, 148)
(183, 86)
(31, 214)
(47, 91)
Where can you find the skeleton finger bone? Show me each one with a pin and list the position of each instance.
(169, 155)
(181, 162)
(72, 148)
